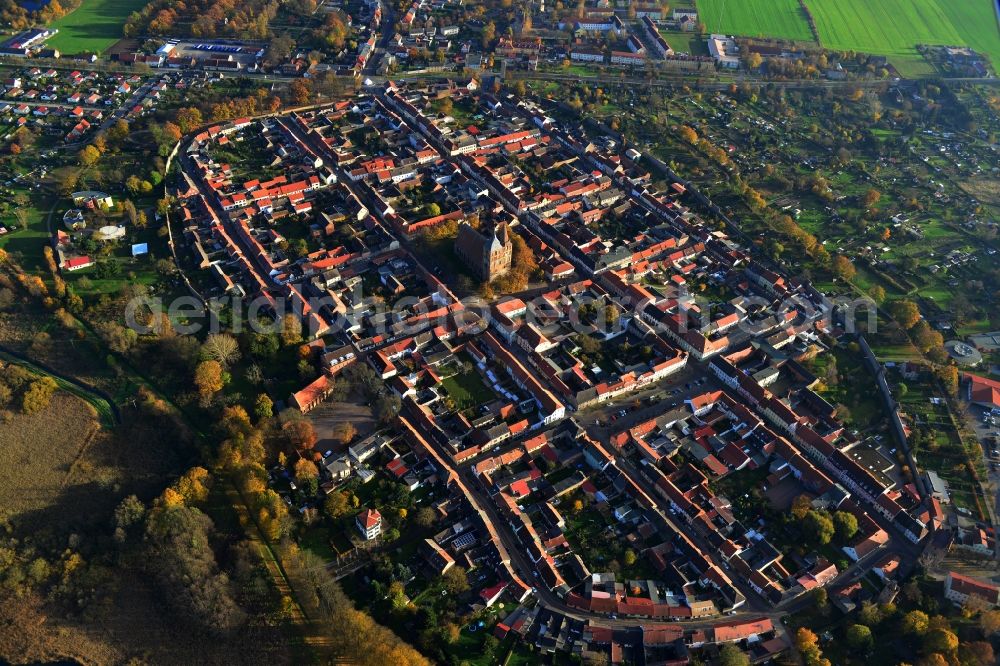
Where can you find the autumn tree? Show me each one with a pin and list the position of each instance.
(38, 396)
(807, 643)
(905, 312)
(338, 504)
(300, 433)
(801, 506)
(915, 622)
(272, 515)
(948, 375)
(344, 432)
(688, 134)
(235, 422)
(208, 379)
(89, 156)
(188, 118)
(291, 329)
(940, 640)
(877, 292)
(305, 469)
(925, 337)
(194, 485)
(871, 198)
(300, 91)
(989, 622)
(843, 268)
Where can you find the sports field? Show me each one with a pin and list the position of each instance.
(884, 27)
(756, 18)
(94, 26)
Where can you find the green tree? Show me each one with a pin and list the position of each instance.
(818, 527)
(730, 655)
(264, 407)
(845, 524)
(455, 580)
(859, 637)
(387, 407)
(338, 504)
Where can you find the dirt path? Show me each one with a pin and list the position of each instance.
(307, 633)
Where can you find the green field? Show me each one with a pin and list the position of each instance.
(94, 26)
(887, 27)
(756, 18)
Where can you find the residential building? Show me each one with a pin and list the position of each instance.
(369, 523)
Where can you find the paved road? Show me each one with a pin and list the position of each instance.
(709, 81)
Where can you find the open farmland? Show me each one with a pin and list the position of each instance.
(756, 18)
(94, 26)
(892, 28)
(978, 23)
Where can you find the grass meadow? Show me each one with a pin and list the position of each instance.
(94, 26)
(38, 452)
(756, 18)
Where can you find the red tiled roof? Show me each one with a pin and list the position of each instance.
(982, 390)
(369, 518)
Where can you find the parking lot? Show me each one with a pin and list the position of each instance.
(624, 412)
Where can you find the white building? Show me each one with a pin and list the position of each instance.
(369, 523)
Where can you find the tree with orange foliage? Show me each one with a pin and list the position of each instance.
(208, 379)
(300, 433)
(305, 469)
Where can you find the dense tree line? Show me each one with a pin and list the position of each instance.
(178, 543)
(204, 18)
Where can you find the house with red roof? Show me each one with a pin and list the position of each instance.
(491, 595)
(983, 392)
(77, 263)
(959, 589)
(369, 523)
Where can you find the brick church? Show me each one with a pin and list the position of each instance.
(487, 253)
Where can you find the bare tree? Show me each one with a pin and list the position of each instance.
(221, 347)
